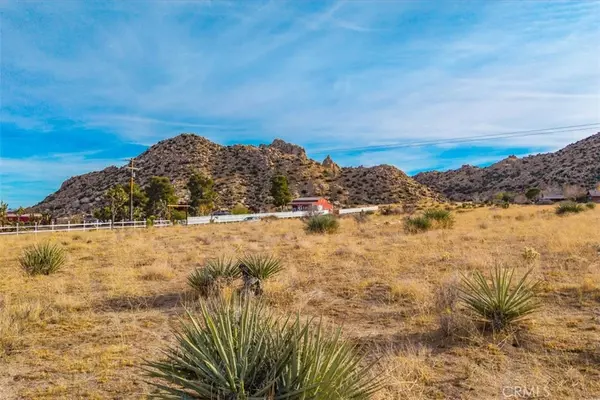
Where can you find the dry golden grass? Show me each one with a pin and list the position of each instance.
(82, 332)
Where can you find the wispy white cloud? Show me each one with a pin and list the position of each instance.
(24, 179)
(321, 74)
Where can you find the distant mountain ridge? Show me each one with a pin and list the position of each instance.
(242, 174)
(577, 164)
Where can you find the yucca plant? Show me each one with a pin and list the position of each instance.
(230, 352)
(42, 258)
(322, 223)
(499, 302)
(569, 207)
(257, 268)
(237, 349)
(443, 218)
(323, 366)
(417, 224)
(217, 272)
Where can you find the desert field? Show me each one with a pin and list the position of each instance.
(84, 331)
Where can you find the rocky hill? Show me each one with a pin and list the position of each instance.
(577, 164)
(242, 174)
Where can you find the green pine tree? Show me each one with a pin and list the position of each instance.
(280, 191)
(202, 194)
(160, 194)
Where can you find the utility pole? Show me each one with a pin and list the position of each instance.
(132, 169)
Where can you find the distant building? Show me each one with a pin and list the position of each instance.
(551, 198)
(594, 195)
(25, 218)
(311, 204)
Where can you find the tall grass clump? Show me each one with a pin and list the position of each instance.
(499, 302)
(567, 207)
(322, 223)
(443, 218)
(361, 217)
(445, 304)
(257, 268)
(417, 224)
(42, 258)
(216, 274)
(239, 350)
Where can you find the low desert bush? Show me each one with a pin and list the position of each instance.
(417, 224)
(530, 255)
(323, 223)
(257, 268)
(216, 274)
(499, 303)
(240, 350)
(389, 210)
(361, 217)
(569, 207)
(446, 300)
(42, 259)
(240, 209)
(443, 218)
(590, 205)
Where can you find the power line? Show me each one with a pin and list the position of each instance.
(467, 139)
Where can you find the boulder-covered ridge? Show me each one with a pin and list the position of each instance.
(242, 174)
(577, 164)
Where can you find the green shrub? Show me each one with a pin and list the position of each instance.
(590, 205)
(240, 350)
(499, 303)
(322, 223)
(42, 259)
(443, 218)
(216, 274)
(569, 207)
(417, 224)
(240, 209)
(257, 268)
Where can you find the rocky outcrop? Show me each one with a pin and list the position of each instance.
(242, 174)
(577, 164)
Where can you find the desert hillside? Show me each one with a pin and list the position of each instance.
(242, 174)
(577, 164)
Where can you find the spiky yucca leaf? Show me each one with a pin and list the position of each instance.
(499, 302)
(260, 266)
(229, 352)
(216, 273)
(42, 258)
(239, 350)
(323, 366)
(417, 224)
(322, 223)
(443, 218)
(223, 267)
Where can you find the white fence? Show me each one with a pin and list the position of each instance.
(19, 229)
(357, 210)
(245, 217)
(254, 217)
(95, 226)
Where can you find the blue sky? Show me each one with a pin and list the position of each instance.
(86, 84)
